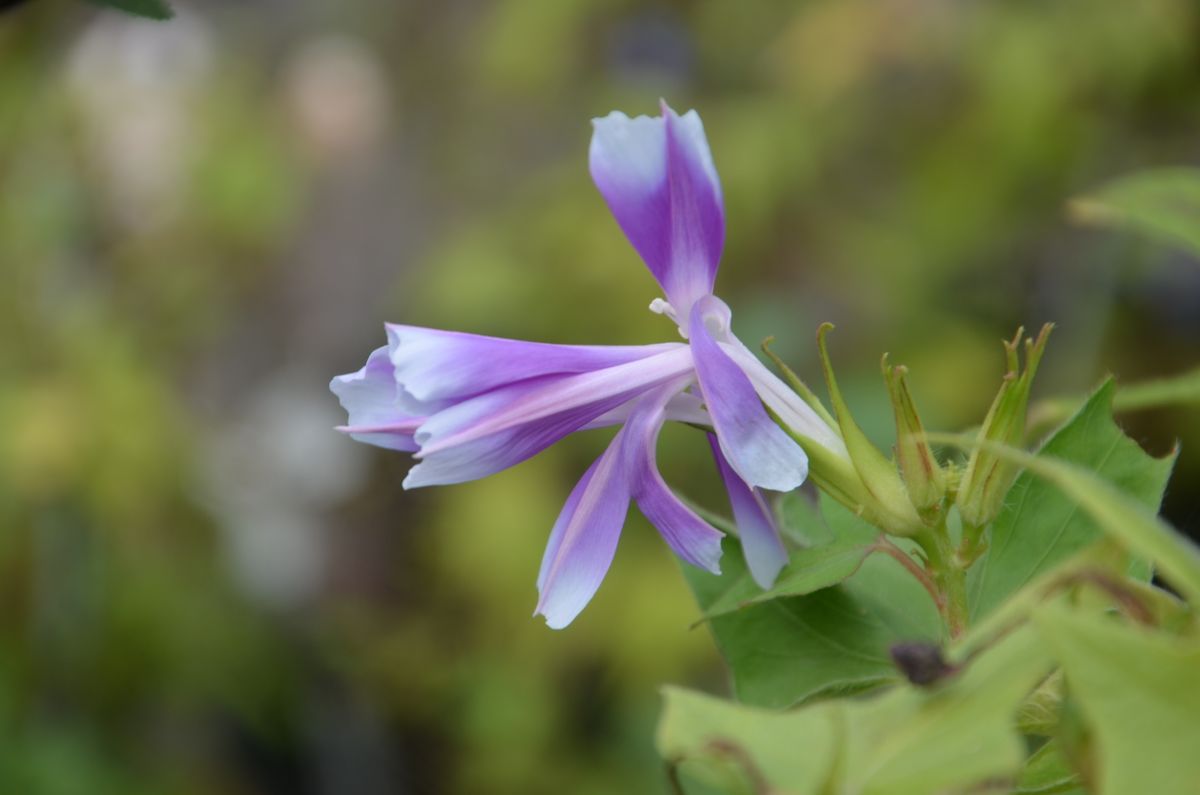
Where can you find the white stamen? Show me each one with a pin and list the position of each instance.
(660, 306)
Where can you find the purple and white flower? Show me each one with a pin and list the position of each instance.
(468, 406)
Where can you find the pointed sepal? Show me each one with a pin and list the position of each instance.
(987, 477)
(923, 477)
(887, 503)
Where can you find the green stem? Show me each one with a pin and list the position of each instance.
(948, 576)
(972, 546)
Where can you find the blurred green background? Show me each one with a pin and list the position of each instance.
(205, 589)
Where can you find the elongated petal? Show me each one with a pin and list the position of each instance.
(531, 401)
(787, 405)
(757, 449)
(480, 456)
(658, 178)
(693, 539)
(584, 539)
(369, 397)
(764, 550)
(434, 366)
(682, 407)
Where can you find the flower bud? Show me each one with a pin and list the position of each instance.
(923, 477)
(987, 478)
(884, 499)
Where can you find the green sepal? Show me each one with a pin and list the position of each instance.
(794, 381)
(923, 478)
(887, 502)
(988, 477)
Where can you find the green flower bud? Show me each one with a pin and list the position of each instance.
(987, 478)
(923, 477)
(883, 498)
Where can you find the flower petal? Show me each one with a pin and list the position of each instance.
(584, 539)
(658, 178)
(757, 449)
(434, 366)
(369, 397)
(785, 403)
(479, 456)
(693, 539)
(539, 399)
(764, 550)
(682, 407)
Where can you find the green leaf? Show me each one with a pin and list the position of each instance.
(793, 648)
(808, 570)
(728, 743)
(1047, 772)
(1164, 203)
(1039, 713)
(1182, 389)
(1127, 521)
(906, 742)
(150, 9)
(1177, 390)
(1040, 526)
(913, 741)
(1140, 693)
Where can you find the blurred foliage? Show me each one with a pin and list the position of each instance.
(201, 221)
(150, 9)
(1163, 202)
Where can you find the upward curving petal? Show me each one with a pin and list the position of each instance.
(757, 449)
(658, 178)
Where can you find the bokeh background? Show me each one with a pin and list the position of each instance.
(205, 589)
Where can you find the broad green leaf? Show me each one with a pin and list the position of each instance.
(1047, 772)
(906, 742)
(1038, 715)
(912, 742)
(1040, 526)
(732, 746)
(808, 570)
(1124, 519)
(151, 9)
(835, 639)
(1164, 203)
(1182, 389)
(1140, 692)
(787, 650)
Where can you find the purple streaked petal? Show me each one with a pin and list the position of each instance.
(761, 544)
(434, 366)
(543, 398)
(682, 407)
(480, 456)
(658, 178)
(693, 539)
(369, 397)
(785, 403)
(584, 539)
(395, 436)
(757, 449)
